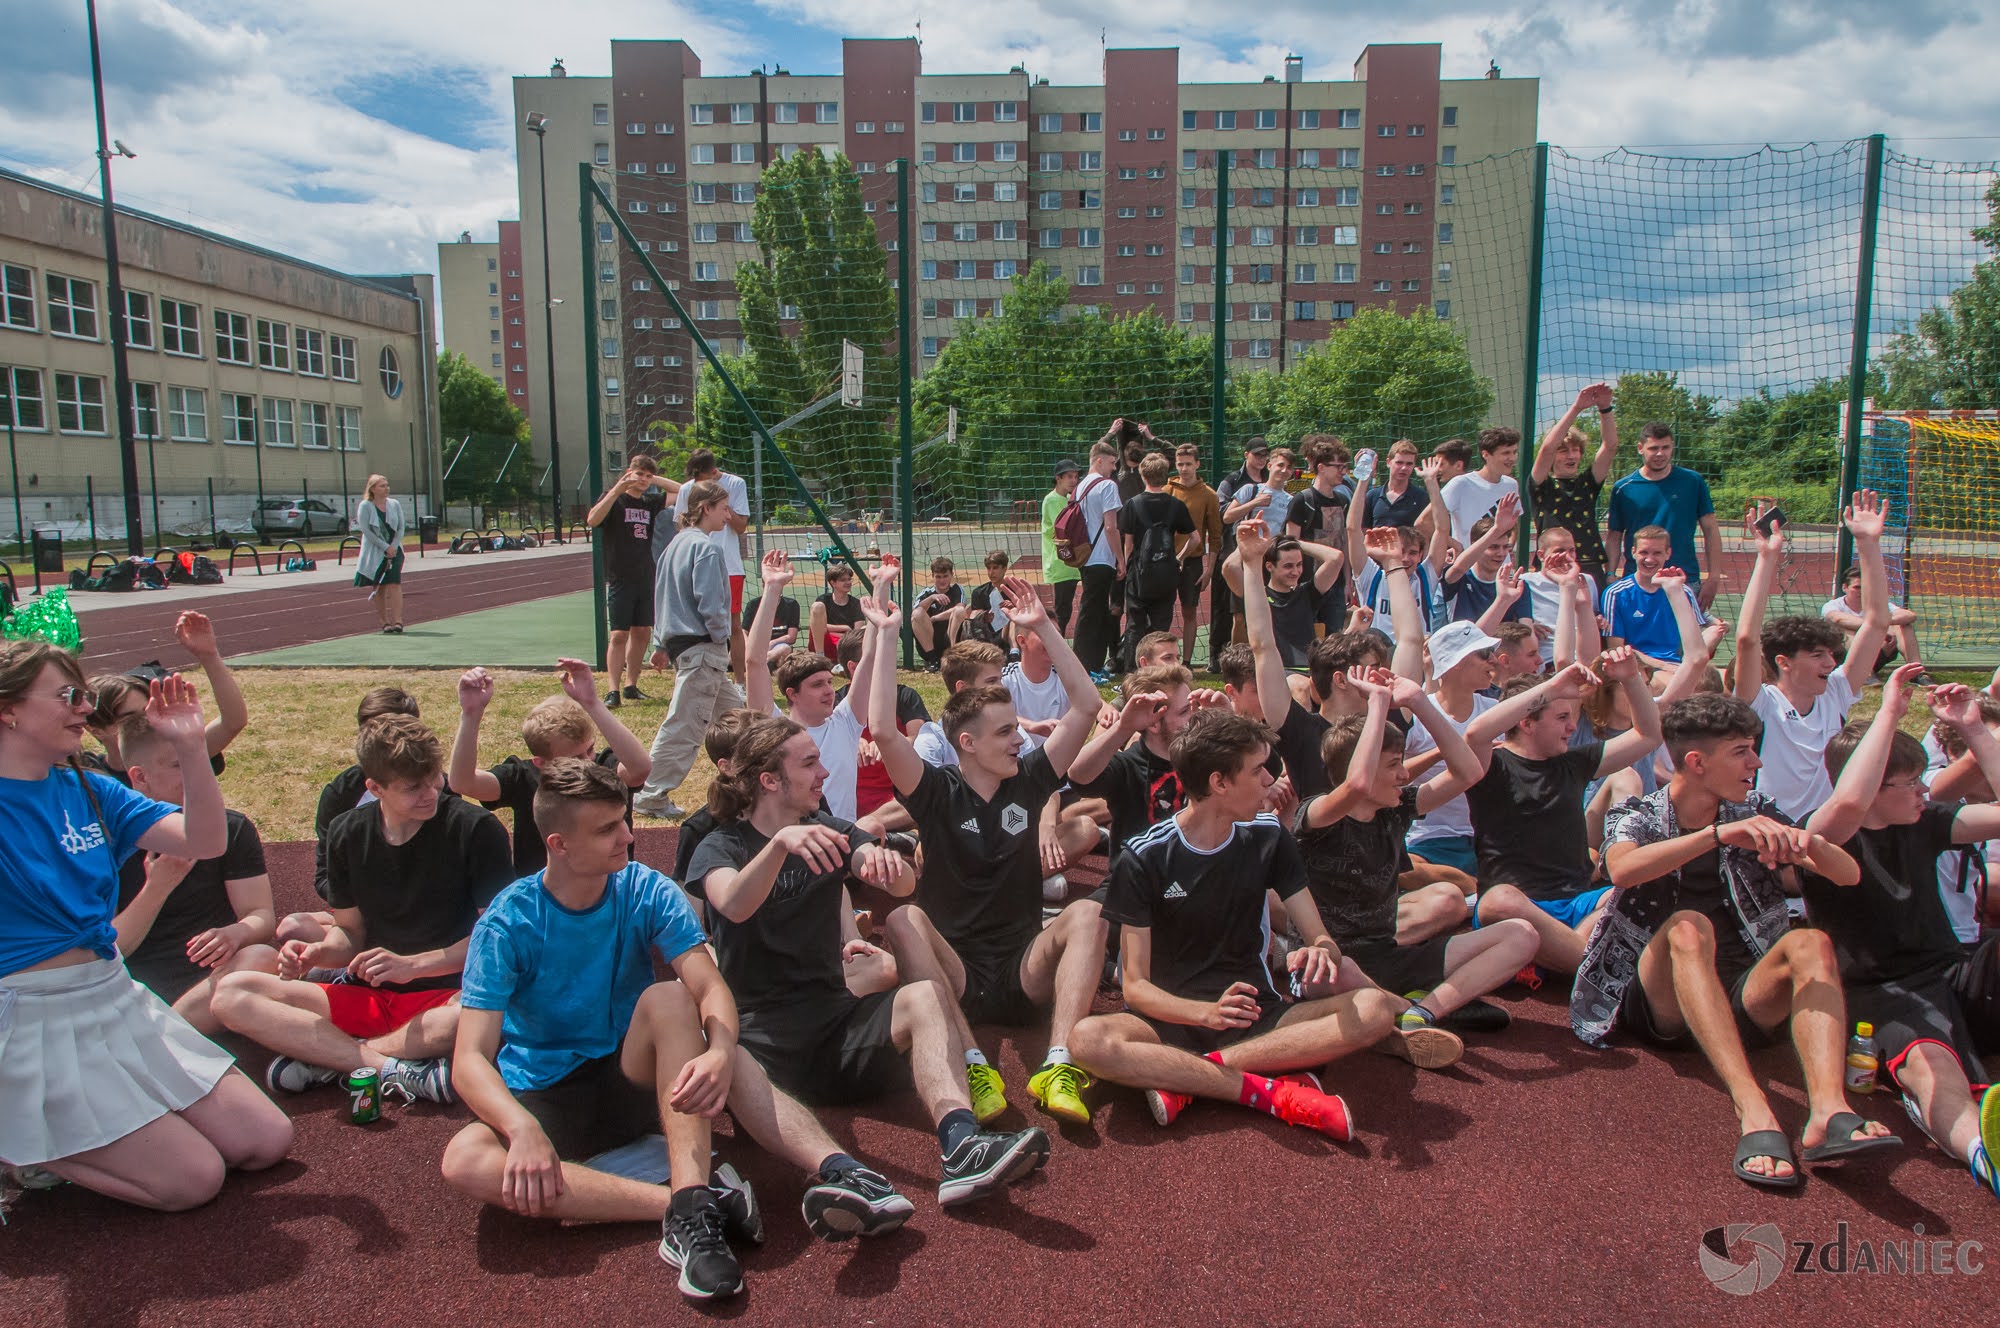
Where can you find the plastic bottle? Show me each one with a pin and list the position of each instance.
(1862, 1060)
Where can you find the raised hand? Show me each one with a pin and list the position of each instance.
(577, 682)
(823, 848)
(1714, 632)
(174, 709)
(884, 575)
(1560, 567)
(1568, 684)
(1618, 664)
(1282, 799)
(1897, 691)
(1507, 512)
(1253, 540)
(1360, 616)
(1404, 692)
(776, 570)
(1867, 515)
(1023, 605)
(197, 635)
(882, 614)
(1673, 580)
(475, 691)
(1507, 586)
(1385, 546)
(1368, 682)
(1771, 544)
(1143, 711)
(1955, 704)
(1427, 470)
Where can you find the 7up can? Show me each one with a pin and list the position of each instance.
(364, 1096)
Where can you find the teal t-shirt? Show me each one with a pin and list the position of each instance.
(1676, 503)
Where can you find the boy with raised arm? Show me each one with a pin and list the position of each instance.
(1202, 1017)
(1472, 585)
(976, 928)
(1424, 557)
(774, 879)
(561, 727)
(567, 1048)
(1636, 607)
(1695, 949)
(1293, 602)
(1527, 812)
(1812, 686)
(1929, 995)
(1564, 489)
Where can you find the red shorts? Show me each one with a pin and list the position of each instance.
(736, 596)
(362, 1011)
(834, 631)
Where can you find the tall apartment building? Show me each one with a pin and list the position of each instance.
(1337, 200)
(252, 371)
(479, 286)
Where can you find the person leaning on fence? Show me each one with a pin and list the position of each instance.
(691, 626)
(380, 520)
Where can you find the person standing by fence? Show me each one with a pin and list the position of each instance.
(379, 519)
(1097, 621)
(1198, 552)
(1059, 575)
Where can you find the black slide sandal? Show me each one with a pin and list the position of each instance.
(1774, 1145)
(1841, 1140)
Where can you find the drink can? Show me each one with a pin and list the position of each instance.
(364, 1096)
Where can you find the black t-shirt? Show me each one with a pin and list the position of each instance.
(628, 537)
(423, 894)
(1140, 788)
(909, 704)
(698, 825)
(1892, 927)
(1231, 482)
(1205, 909)
(1699, 888)
(788, 615)
(982, 877)
(1299, 738)
(1154, 511)
(937, 603)
(518, 781)
(343, 793)
(788, 951)
(1294, 615)
(840, 615)
(1320, 518)
(200, 902)
(1572, 504)
(1351, 867)
(1527, 822)
(1404, 511)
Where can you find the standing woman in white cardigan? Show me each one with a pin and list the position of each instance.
(379, 519)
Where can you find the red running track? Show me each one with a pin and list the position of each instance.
(125, 630)
(1537, 1182)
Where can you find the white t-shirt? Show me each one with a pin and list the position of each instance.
(1454, 819)
(1839, 604)
(727, 539)
(1794, 751)
(1098, 497)
(1047, 699)
(1470, 496)
(1375, 594)
(1961, 906)
(1545, 598)
(932, 745)
(839, 742)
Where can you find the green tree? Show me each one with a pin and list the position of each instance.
(485, 438)
(1657, 394)
(1381, 376)
(469, 401)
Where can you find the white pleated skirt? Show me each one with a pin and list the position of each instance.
(87, 1056)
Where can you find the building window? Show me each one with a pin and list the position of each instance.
(1413, 284)
(1050, 239)
(827, 112)
(745, 154)
(1128, 172)
(392, 373)
(274, 346)
(1006, 230)
(1308, 198)
(1308, 235)
(341, 358)
(708, 311)
(642, 325)
(315, 431)
(1381, 287)
(18, 307)
(232, 337)
(1414, 131)
(701, 194)
(1308, 119)
(1448, 117)
(309, 347)
(1185, 312)
(708, 271)
(1444, 232)
(138, 320)
(1189, 159)
(239, 419)
(1305, 274)
(1006, 112)
(1260, 348)
(1413, 246)
(1305, 311)
(965, 308)
(1385, 131)
(1090, 161)
(278, 427)
(1385, 171)
(1447, 156)
(702, 154)
(1261, 236)
(1266, 120)
(927, 113)
(1156, 251)
(702, 232)
(1128, 136)
(637, 205)
(930, 348)
(787, 112)
(1225, 120)
(1187, 237)
(642, 283)
(611, 387)
(145, 411)
(1385, 209)
(1444, 272)
(73, 309)
(631, 127)
(1413, 209)
(1308, 157)
(1005, 191)
(1090, 276)
(1447, 195)
(1442, 308)
(1343, 274)
(1384, 247)
(1006, 151)
(1089, 237)
(1091, 122)
(743, 113)
(1004, 269)
(187, 415)
(1414, 168)
(1346, 235)
(965, 232)
(1350, 119)
(965, 152)
(1090, 199)
(1127, 251)
(609, 348)
(600, 113)
(347, 425)
(1049, 200)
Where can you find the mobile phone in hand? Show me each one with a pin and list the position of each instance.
(1773, 518)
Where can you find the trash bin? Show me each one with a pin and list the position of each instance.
(48, 550)
(428, 528)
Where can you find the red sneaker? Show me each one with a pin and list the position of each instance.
(1530, 977)
(1296, 1104)
(1303, 1078)
(1165, 1106)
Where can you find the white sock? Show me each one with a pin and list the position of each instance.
(1057, 1056)
(974, 1056)
(390, 1064)
(1972, 1152)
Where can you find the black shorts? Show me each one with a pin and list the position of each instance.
(1401, 969)
(993, 992)
(1956, 1008)
(828, 1053)
(1191, 584)
(1637, 1015)
(629, 604)
(1201, 1041)
(592, 1109)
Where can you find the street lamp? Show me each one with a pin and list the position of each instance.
(114, 312)
(538, 125)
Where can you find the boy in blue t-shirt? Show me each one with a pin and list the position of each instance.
(1636, 607)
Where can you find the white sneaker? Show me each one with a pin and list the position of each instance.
(660, 808)
(1055, 888)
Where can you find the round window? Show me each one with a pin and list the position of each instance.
(392, 373)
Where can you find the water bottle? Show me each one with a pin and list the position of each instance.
(1862, 1060)
(1364, 467)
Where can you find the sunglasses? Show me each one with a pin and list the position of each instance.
(77, 697)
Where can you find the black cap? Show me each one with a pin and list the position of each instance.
(1067, 467)
(1256, 443)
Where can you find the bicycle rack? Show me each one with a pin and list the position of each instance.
(278, 556)
(239, 548)
(110, 561)
(468, 541)
(340, 557)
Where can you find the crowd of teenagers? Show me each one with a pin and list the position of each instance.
(1428, 776)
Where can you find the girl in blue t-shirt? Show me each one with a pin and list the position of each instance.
(101, 1083)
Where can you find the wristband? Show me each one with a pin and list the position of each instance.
(1607, 410)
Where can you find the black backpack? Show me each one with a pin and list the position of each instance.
(1154, 571)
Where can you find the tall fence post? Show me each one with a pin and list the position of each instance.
(90, 506)
(214, 530)
(905, 417)
(14, 464)
(153, 474)
(1857, 363)
(601, 630)
(1531, 354)
(1219, 350)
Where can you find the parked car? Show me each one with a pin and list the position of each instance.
(299, 517)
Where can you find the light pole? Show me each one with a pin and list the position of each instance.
(114, 300)
(538, 125)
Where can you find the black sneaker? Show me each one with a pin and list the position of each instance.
(611, 701)
(854, 1202)
(634, 694)
(1476, 1017)
(739, 1204)
(987, 1162)
(694, 1243)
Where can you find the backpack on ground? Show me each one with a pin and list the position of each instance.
(1072, 529)
(1154, 572)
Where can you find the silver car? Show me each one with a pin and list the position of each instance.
(299, 517)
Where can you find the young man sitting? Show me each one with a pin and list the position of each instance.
(1352, 842)
(1202, 1018)
(872, 789)
(939, 614)
(1375, 551)
(784, 628)
(1844, 612)
(1472, 583)
(560, 727)
(1931, 997)
(1814, 687)
(1517, 652)
(349, 789)
(835, 612)
(964, 665)
(985, 616)
(976, 928)
(182, 924)
(774, 879)
(1292, 601)
(1527, 813)
(407, 875)
(1695, 949)
(1637, 610)
(1554, 546)
(567, 1048)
